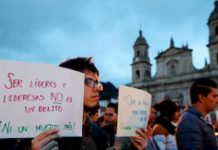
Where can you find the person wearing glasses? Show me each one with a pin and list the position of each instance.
(92, 136)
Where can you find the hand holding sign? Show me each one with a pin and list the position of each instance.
(133, 110)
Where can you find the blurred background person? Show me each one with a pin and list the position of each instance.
(151, 145)
(110, 122)
(94, 115)
(163, 129)
(138, 142)
(177, 115)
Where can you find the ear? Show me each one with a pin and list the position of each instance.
(201, 98)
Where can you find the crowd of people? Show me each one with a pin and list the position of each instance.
(170, 127)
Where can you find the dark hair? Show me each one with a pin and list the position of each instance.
(113, 105)
(166, 107)
(93, 112)
(201, 86)
(80, 64)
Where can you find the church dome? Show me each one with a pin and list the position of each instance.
(214, 14)
(140, 40)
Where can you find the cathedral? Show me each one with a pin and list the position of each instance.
(175, 71)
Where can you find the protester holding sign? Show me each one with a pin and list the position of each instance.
(149, 144)
(110, 129)
(92, 137)
(128, 122)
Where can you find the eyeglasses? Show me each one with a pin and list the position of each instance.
(93, 84)
(109, 114)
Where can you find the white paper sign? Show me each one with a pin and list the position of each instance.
(38, 97)
(133, 110)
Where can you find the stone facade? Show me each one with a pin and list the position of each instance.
(175, 71)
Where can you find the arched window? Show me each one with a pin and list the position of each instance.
(172, 70)
(172, 67)
(137, 74)
(137, 53)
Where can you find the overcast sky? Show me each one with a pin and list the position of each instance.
(51, 31)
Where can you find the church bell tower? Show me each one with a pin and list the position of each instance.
(141, 67)
(213, 37)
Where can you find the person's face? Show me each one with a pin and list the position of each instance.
(110, 116)
(176, 116)
(91, 94)
(211, 100)
(152, 116)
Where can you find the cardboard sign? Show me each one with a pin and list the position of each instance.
(133, 110)
(38, 97)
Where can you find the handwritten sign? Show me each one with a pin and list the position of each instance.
(133, 110)
(38, 97)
